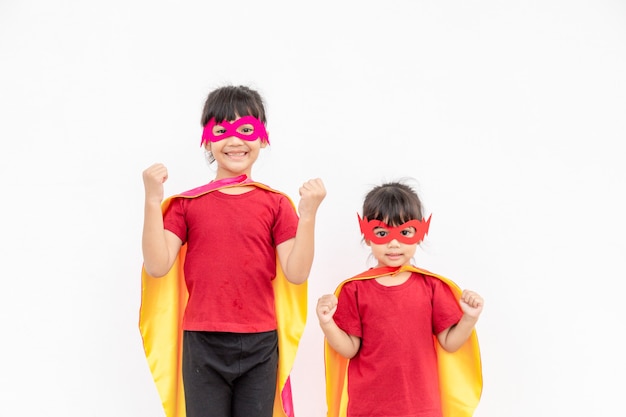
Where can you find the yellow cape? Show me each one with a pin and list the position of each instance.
(460, 373)
(163, 302)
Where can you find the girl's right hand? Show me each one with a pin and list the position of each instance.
(326, 307)
(153, 179)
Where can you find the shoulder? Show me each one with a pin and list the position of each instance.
(279, 201)
(354, 284)
(273, 193)
(425, 277)
(348, 290)
(432, 280)
(433, 284)
(272, 196)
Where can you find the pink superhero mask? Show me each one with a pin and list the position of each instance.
(258, 130)
(369, 226)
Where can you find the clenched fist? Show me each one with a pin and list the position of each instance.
(326, 307)
(312, 193)
(153, 178)
(471, 303)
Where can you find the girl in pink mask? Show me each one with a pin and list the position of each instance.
(224, 274)
(399, 340)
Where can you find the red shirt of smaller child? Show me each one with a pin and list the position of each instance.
(395, 370)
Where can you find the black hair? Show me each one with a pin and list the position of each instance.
(230, 102)
(393, 203)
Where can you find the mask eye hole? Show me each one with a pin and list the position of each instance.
(380, 232)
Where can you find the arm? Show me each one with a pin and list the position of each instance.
(296, 255)
(343, 343)
(455, 336)
(160, 247)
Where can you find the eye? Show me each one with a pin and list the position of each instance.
(218, 130)
(246, 129)
(408, 232)
(380, 232)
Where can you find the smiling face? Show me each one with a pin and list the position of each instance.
(234, 152)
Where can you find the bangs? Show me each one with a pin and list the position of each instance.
(397, 214)
(231, 111)
(229, 103)
(393, 204)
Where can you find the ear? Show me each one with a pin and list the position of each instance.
(207, 145)
(264, 143)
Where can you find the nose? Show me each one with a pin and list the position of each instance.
(234, 140)
(393, 243)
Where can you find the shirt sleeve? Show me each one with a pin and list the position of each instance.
(174, 219)
(347, 316)
(446, 308)
(286, 223)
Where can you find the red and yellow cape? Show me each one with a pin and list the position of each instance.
(163, 302)
(460, 373)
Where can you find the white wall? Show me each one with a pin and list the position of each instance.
(508, 114)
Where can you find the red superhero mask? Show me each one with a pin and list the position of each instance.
(258, 130)
(368, 228)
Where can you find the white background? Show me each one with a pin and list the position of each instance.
(509, 116)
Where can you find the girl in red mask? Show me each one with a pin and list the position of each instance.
(224, 274)
(391, 332)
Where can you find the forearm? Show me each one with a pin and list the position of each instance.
(300, 260)
(458, 334)
(344, 344)
(156, 257)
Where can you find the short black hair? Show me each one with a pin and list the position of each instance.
(230, 102)
(394, 203)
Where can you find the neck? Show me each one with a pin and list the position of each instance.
(231, 180)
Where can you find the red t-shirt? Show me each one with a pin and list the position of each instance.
(395, 372)
(231, 257)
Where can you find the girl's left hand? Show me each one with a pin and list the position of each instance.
(471, 303)
(312, 193)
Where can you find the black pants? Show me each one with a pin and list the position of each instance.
(230, 374)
